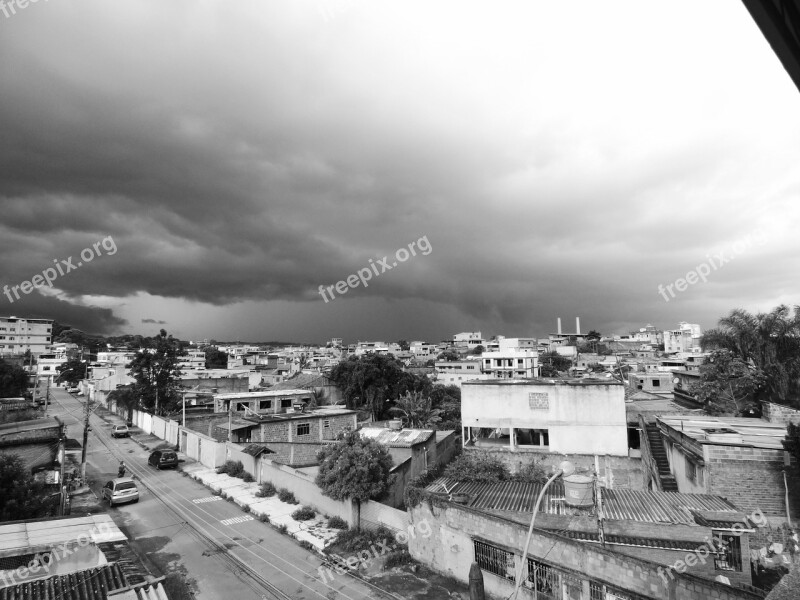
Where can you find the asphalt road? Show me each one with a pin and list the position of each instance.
(183, 528)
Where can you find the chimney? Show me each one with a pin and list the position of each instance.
(578, 325)
(559, 325)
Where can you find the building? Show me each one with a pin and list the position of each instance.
(47, 365)
(510, 364)
(566, 339)
(468, 340)
(265, 402)
(422, 349)
(35, 442)
(659, 383)
(18, 335)
(501, 342)
(194, 359)
(515, 418)
(457, 371)
(740, 459)
(684, 339)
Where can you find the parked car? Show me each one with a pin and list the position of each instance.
(73, 390)
(121, 490)
(163, 459)
(120, 431)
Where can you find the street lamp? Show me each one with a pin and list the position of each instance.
(566, 469)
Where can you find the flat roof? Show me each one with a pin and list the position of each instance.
(34, 536)
(319, 413)
(397, 438)
(32, 425)
(741, 431)
(268, 393)
(545, 382)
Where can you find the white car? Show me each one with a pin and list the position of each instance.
(73, 389)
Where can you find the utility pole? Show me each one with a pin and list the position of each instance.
(62, 455)
(47, 395)
(230, 419)
(85, 442)
(599, 507)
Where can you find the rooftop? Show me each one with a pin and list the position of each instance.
(317, 413)
(90, 584)
(668, 508)
(738, 431)
(264, 394)
(394, 438)
(545, 382)
(26, 537)
(32, 425)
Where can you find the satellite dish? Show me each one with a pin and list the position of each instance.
(676, 380)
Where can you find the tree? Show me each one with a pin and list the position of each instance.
(726, 383)
(216, 359)
(72, 371)
(447, 398)
(369, 381)
(417, 410)
(357, 468)
(156, 372)
(13, 380)
(552, 364)
(771, 342)
(404, 345)
(483, 468)
(449, 355)
(593, 336)
(126, 397)
(792, 442)
(22, 497)
(478, 350)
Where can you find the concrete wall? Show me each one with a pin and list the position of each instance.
(296, 454)
(202, 448)
(235, 453)
(581, 419)
(776, 413)
(450, 550)
(374, 514)
(446, 448)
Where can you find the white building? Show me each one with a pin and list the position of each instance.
(684, 339)
(18, 335)
(194, 359)
(511, 364)
(562, 417)
(47, 365)
(422, 349)
(458, 371)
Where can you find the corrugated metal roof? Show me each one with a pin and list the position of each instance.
(618, 504)
(150, 591)
(403, 438)
(18, 538)
(89, 584)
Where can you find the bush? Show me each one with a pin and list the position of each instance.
(533, 472)
(267, 490)
(352, 540)
(246, 508)
(477, 467)
(283, 529)
(246, 477)
(398, 559)
(308, 546)
(264, 518)
(337, 523)
(285, 495)
(232, 468)
(306, 513)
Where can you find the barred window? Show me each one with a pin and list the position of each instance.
(303, 428)
(494, 560)
(543, 579)
(691, 471)
(600, 591)
(729, 552)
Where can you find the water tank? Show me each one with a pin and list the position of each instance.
(578, 490)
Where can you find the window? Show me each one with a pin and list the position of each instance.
(544, 580)
(599, 591)
(241, 406)
(494, 560)
(729, 552)
(656, 383)
(286, 403)
(326, 424)
(264, 404)
(691, 471)
(303, 428)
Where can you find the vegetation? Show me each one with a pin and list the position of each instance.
(337, 522)
(483, 468)
(13, 380)
(417, 410)
(285, 495)
(216, 359)
(247, 477)
(305, 513)
(792, 442)
(267, 490)
(398, 558)
(22, 496)
(351, 541)
(15, 416)
(552, 364)
(369, 381)
(357, 469)
(770, 342)
(156, 372)
(72, 371)
(283, 529)
(125, 397)
(727, 383)
(232, 469)
(449, 355)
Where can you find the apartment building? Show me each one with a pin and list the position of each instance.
(469, 340)
(17, 335)
(457, 371)
(510, 364)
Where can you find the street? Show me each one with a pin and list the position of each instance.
(184, 530)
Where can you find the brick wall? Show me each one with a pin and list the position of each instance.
(450, 550)
(295, 454)
(615, 471)
(777, 413)
(751, 478)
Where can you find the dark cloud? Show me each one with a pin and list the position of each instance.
(154, 321)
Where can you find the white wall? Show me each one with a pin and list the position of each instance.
(581, 419)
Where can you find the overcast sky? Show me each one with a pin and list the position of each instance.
(555, 158)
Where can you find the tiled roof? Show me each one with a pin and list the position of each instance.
(90, 584)
(618, 504)
(402, 438)
(256, 450)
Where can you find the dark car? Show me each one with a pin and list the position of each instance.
(163, 459)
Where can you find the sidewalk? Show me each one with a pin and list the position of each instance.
(316, 531)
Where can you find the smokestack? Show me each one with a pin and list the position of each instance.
(559, 325)
(578, 325)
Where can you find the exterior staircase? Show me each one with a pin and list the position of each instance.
(667, 483)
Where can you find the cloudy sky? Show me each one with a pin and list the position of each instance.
(217, 161)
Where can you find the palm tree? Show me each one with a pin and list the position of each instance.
(417, 410)
(769, 341)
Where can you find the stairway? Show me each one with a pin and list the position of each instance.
(667, 483)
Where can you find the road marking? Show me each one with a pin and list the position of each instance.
(209, 499)
(237, 520)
